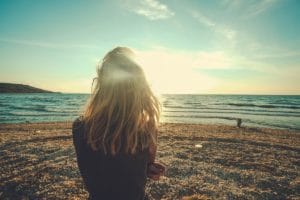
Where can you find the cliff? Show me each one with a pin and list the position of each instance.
(20, 88)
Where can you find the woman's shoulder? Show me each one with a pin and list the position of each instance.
(78, 124)
(78, 131)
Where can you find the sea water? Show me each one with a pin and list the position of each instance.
(275, 111)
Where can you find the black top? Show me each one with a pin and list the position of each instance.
(109, 177)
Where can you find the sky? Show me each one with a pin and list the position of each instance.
(184, 46)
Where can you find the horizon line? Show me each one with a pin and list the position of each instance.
(202, 94)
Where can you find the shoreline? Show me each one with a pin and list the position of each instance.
(243, 126)
(204, 161)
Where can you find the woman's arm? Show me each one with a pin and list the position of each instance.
(154, 170)
(152, 153)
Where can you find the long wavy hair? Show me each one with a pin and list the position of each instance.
(122, 114)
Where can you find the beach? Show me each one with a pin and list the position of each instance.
(37, 161)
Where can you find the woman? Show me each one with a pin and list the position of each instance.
(116, 138)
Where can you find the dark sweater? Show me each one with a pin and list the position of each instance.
(108, 177)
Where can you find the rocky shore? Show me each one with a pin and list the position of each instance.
(37, 161)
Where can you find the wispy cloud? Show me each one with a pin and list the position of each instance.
(203, 19)
(226, 32)
(260, 7)
(231, 3)
(151, 9)
(46, 44)
(251, 8)
(275, 52)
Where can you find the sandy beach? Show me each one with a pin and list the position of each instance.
(37, 161)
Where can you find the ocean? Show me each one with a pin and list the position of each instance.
(275, 111)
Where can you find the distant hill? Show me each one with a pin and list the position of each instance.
(20, 88)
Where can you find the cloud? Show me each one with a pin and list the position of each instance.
(272, 52)
(250, 8)
(226, 32)
(203, 19)
(260, 7)
(231, 3)
(151, 9)
(277, 53)
(46, 44)
(172, 71)
(181, 59)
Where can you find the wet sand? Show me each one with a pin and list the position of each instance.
(37, 161)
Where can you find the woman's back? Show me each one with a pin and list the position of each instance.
(120, 176)
(116, 138)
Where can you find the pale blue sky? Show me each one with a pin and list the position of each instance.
(185, 46)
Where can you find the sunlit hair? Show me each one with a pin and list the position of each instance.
(122, 114)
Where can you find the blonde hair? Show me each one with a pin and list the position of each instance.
(123, 113)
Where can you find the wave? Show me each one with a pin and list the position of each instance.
(39, 108)
(193, 103)
(261, 106)
(200, 116)
(259, 123)
(44, 100)
(271, 125)
(181, 107)
(39, 114)
(239, 105)
(243, 113)
(193, 109)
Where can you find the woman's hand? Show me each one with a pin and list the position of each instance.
(155, 170)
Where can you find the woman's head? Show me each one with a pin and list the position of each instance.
(122, 114)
